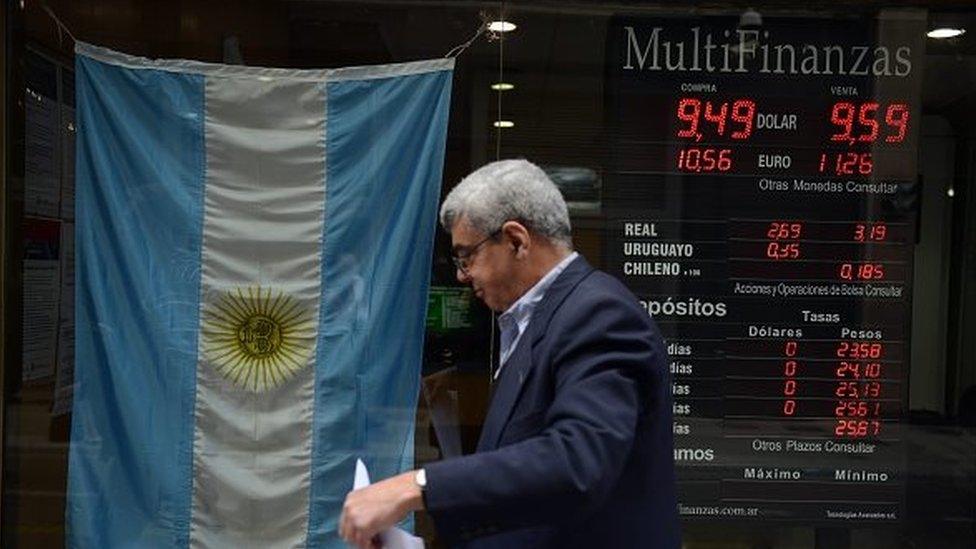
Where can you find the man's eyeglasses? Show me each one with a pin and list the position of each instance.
(461, 256)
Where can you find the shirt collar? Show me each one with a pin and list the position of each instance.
(522, 309)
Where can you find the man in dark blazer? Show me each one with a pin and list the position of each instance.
(576, 450)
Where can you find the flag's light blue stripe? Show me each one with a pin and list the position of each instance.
(140, 166)
(384, 159)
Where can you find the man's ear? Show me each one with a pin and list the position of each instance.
(518, 237)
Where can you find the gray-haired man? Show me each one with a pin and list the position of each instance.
(576, 450)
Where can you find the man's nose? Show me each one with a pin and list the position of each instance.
(462, 276)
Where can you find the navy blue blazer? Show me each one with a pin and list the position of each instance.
(576, 449)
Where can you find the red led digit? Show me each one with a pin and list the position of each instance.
(776, 250)
(689, 110)
(864, 232)
(789, 368)
(708, 160)
(717, 117)
(781, 230)
(862, 409)
(853, 408)
(704, 160)
(896, 116)
(846, 163)
(860, 349)
(789, 388)
(789, 407)
(842, 349)
(743, 112)
(875, 350)
(856, 427)
(864, 164)
(861, 271)
(852, 369)
(866, 116)
(790, 348)
(724, 160)
(843, 115)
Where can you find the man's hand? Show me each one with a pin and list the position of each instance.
(371, 510)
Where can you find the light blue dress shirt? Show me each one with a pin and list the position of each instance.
(513, 322)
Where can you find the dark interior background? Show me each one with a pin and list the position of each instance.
(556, 60)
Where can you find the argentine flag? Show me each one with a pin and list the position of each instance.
(253, 259)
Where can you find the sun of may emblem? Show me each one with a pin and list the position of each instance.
(256, 338)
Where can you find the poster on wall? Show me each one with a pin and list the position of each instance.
(42, 138)
(761, 201)
(65, 375)
(41, 283)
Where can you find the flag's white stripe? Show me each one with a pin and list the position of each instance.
(263, 219)
(212, 69)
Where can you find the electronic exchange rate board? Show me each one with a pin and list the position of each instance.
(761, 200)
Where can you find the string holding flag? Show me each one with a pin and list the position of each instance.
(57, 21)
(459, 49)
(454, 52)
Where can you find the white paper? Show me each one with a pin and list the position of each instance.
(362, 476)
(41, 308)
(40, 318)
(397, 538)
(394, 538)
(42, 151)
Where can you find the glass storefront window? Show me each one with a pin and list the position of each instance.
(788, 191)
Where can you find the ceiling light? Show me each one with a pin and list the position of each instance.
(501, 26)
(945, 32)
(750, 19)
(504, 124)
(951, 192)
(502, 86)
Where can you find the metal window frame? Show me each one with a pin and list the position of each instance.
(4, 235)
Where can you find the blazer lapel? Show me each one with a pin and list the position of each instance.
(520, 364)
(506, 391)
